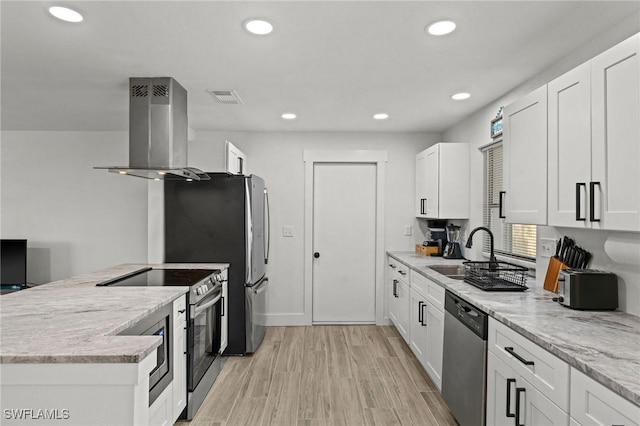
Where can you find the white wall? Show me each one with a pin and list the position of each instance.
(475, 129)
(278, 158)
(76, 219)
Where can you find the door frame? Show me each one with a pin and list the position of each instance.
(312, 157)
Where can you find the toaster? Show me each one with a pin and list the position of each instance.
(587, 289)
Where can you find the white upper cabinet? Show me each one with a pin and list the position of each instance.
(525, 159)
(235, 160)
(569, 147)
(615, 144)
(442, 182)
(594, 142)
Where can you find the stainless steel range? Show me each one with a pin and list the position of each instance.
(206, 322)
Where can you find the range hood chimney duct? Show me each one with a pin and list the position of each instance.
(158, 131)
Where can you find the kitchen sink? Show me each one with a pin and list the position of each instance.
(455, 272)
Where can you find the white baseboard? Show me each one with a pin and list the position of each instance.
(293, 319)
(285, 319)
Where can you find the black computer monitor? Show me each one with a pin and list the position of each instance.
(13, 262)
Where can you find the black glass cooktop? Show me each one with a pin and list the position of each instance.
(160, 277)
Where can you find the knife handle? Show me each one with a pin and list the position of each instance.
(578, 203)
(592, 201)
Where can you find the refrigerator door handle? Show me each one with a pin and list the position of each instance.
(261, 287)
(249, 240)
(267, 228)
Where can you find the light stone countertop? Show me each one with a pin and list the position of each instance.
(73, 321)
(605, 345)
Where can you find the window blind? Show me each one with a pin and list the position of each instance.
(513, 240)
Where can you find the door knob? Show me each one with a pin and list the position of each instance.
(316, 255)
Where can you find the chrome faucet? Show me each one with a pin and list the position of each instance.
(492, 256)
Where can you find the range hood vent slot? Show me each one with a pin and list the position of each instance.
(139, 91)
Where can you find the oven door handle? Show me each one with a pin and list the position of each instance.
(203, 307)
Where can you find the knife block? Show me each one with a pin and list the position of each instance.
(553, 272)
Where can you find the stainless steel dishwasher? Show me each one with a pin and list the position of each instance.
(464, 363)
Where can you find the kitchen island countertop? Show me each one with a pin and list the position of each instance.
(73, 321)
(605, 345)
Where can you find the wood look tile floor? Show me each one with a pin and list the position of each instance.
(325, 375)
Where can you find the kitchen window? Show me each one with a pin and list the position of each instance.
(513, 240)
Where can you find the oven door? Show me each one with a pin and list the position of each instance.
(203, 336)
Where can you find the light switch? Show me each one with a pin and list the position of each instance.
(407, 230)
(287, 231)
(547, 247)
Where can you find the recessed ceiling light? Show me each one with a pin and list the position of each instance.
(289, 116)
(380, 116)
(460, 96)
(258, 26)
(65, 14)
(441, 28)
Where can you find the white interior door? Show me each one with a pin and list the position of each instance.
(344, 242)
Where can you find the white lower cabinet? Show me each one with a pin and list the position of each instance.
(500, 386)
(418, 327)
(427, 325)
(526, 385)
(434, 318)
(402, 294)
(179, 357)
(594, 404)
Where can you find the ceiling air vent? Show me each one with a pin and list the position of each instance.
(229, 97)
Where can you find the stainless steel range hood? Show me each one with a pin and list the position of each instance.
(158, 131)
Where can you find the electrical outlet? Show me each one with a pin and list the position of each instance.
(287, 231)
(407, 230)
(547, 247)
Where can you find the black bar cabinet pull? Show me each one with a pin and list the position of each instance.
(578, 203)
(222, 305)
(395, 288)
(592, 201)
(501, 204)
(402, 272)
(420, 302)
(424, 305)
(508, 405)
(517, 415)
(518, 357)
(392, 266)
(422, 205)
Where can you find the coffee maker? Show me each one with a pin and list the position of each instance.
(437, 236)
(452, 250)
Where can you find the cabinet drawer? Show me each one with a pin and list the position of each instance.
(397, 270)
(180, 310)
(594, 404)
(543, 370)
(431, 291)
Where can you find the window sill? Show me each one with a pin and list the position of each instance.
(501, 258)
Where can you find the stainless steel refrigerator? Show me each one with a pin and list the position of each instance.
(225, 219)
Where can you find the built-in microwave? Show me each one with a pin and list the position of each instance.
(160, 323)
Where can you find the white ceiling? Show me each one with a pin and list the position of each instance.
(334, 63)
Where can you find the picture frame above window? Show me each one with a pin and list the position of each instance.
(496, 127)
